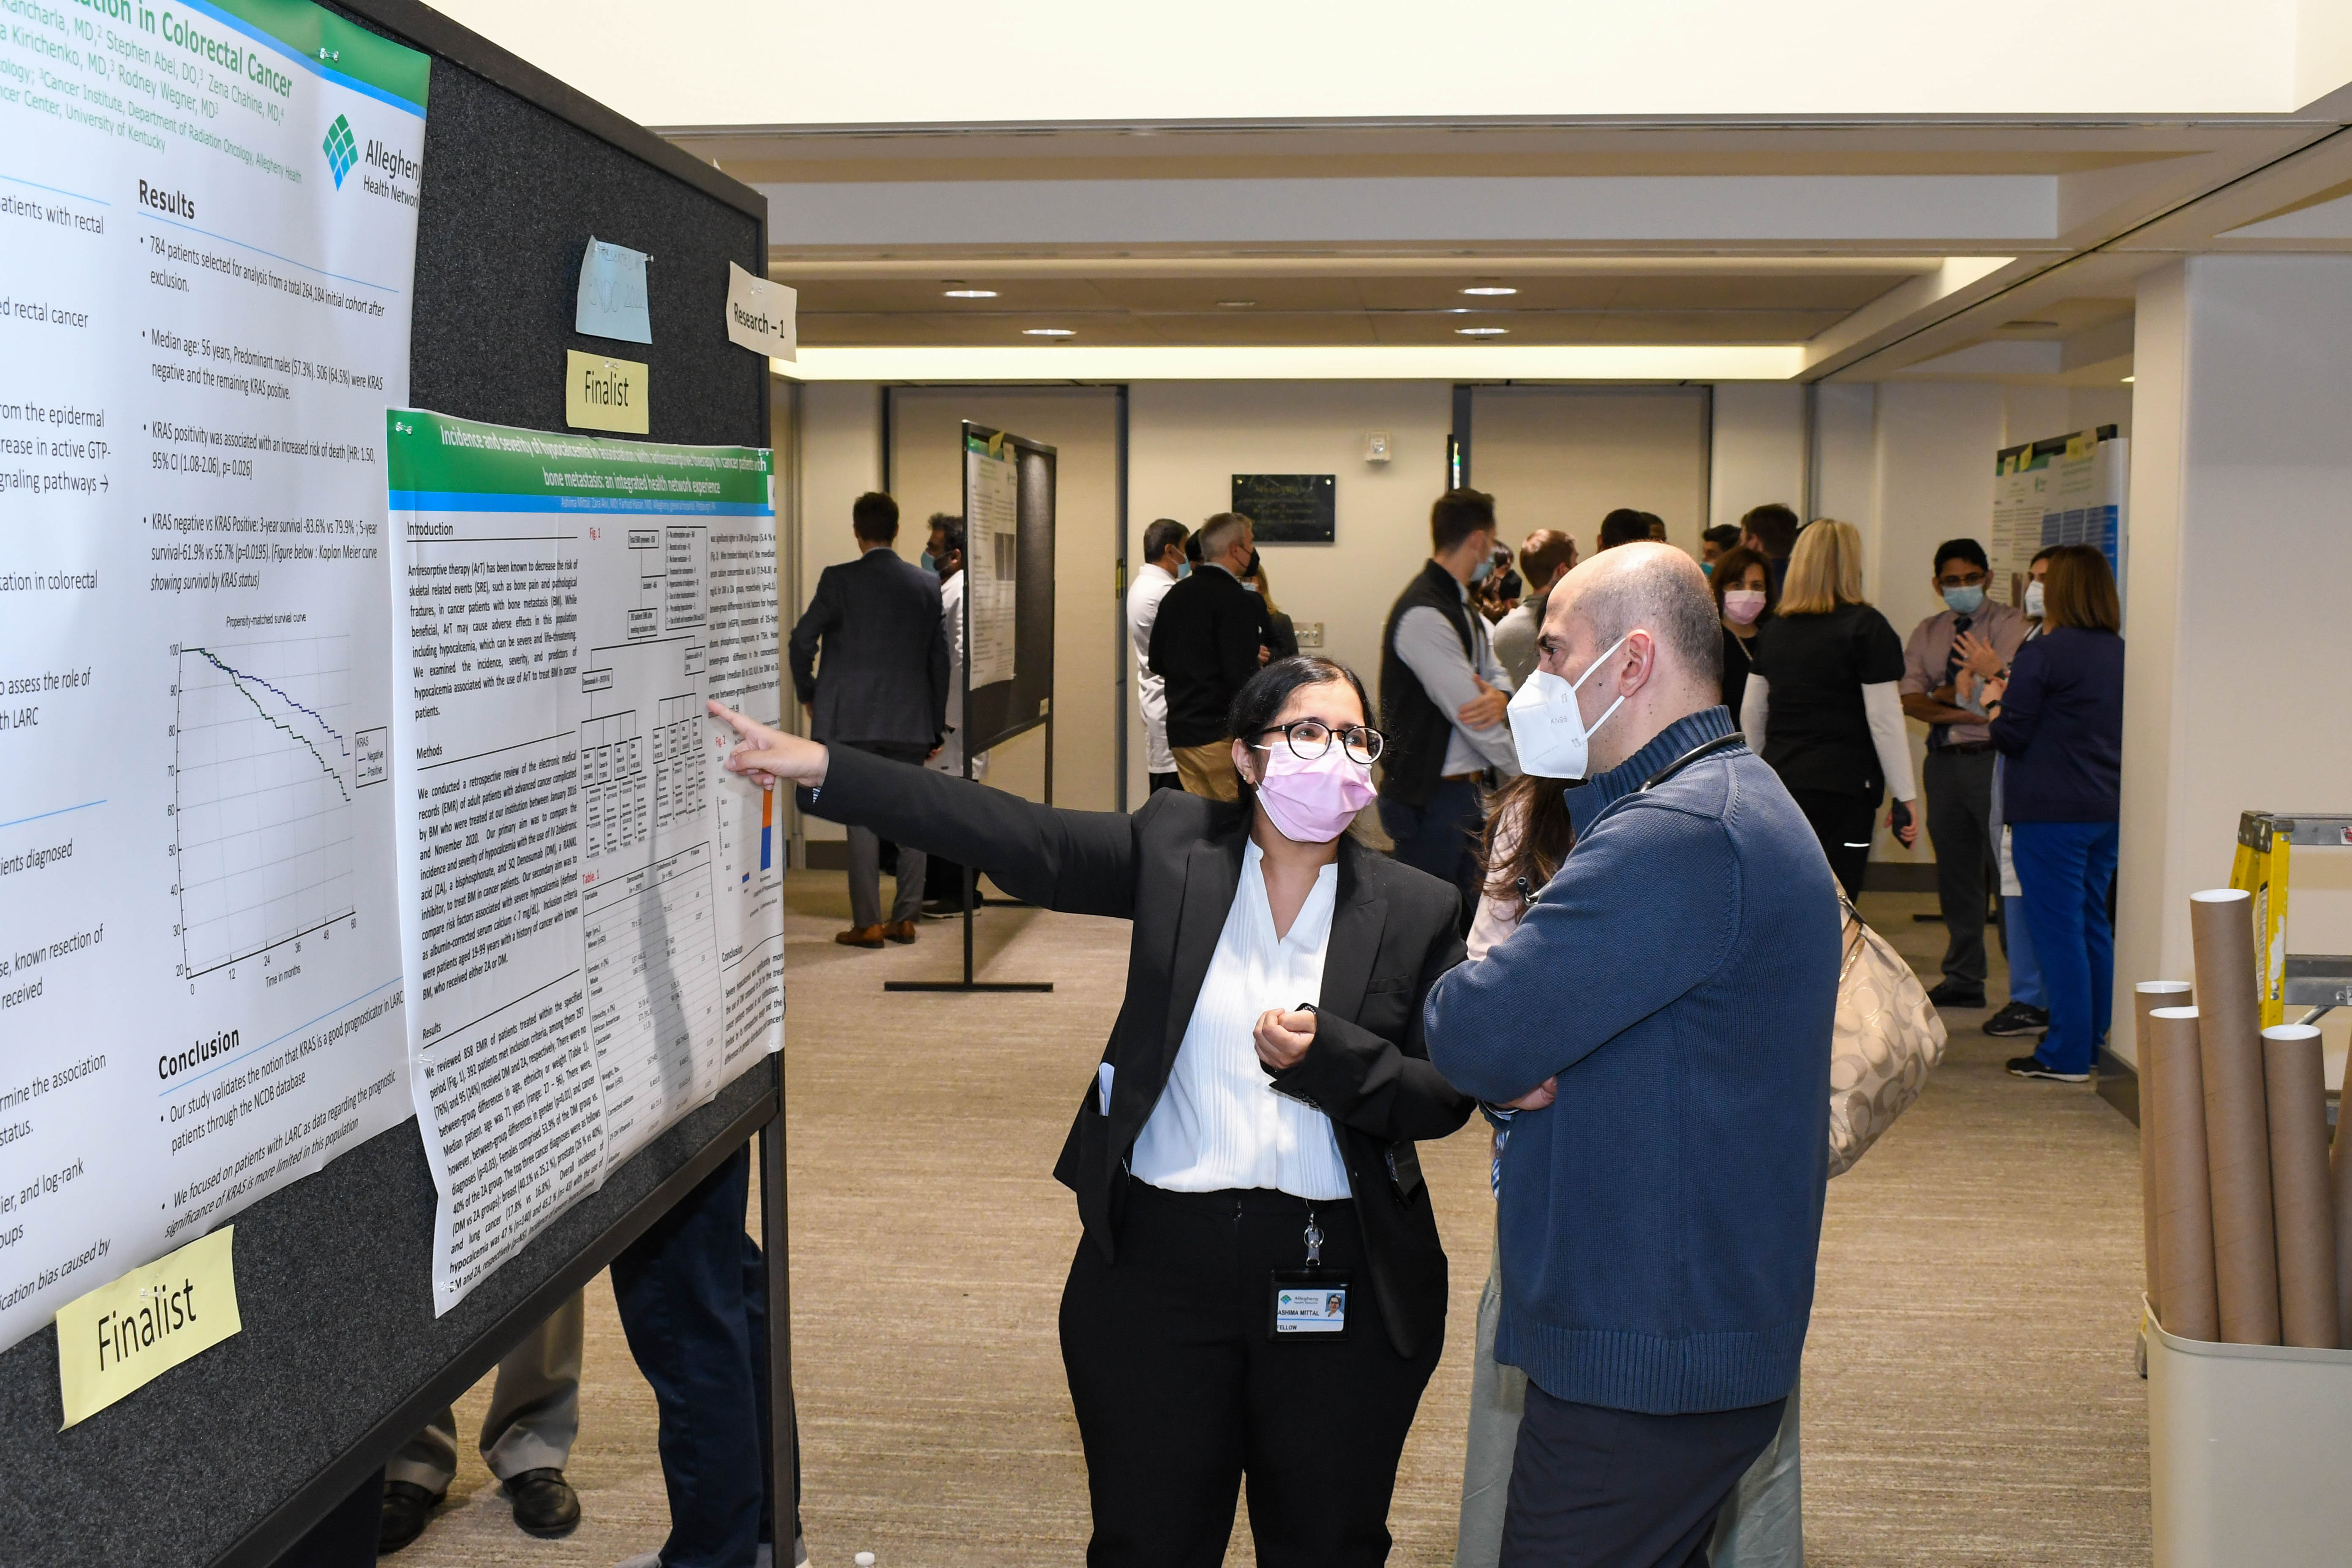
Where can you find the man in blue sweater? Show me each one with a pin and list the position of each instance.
(1662, 1017)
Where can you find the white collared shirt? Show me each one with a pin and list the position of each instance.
(1150, 585)
(1219, 1123)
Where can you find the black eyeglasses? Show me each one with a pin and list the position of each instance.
(1311, 737)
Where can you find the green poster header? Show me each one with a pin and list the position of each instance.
(437, 463)
(336, 47)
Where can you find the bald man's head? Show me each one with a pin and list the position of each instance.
(1655, 587)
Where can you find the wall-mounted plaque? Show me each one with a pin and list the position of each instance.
(1288, 509)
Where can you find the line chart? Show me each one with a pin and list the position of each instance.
(263, 773)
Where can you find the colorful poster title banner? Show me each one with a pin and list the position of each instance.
(441, 463)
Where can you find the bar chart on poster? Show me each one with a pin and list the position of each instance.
(209, 215)
(594, 927)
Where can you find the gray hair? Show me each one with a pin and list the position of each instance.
(1218, 533)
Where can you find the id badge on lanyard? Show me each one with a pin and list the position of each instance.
(1310, 1305)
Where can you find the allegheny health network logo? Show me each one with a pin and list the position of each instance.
(342, 149)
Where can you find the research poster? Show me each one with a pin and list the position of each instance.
(2044, 494)
(207, 243)
(590, 906)
(992, 555)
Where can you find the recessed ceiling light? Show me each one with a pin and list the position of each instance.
(960, 291)
(1483, 331)
(2025, 326)
(1047, 332)
(1489, 288)
(1237, 304)
(2128, 381)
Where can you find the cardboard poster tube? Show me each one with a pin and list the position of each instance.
(2295, 1081)
(2339, 1171)
(2147, 995)
(2172, 1121)
(2237, 1118)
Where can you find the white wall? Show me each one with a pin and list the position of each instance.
(927, 475)
(1565, 457)
(2241, 506)
(1187, 440)
(1758, 439)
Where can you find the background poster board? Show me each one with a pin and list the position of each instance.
(1288, 509)
(2067, 489)
(341, 1356)
(1009, 473)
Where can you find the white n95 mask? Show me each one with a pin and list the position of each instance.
(1547, 726)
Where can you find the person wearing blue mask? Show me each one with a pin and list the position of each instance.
(1442, 697)
(1957, 775)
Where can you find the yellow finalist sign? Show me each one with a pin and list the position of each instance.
(122, 1336)
(601, 393)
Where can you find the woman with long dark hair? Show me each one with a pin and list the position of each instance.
(1260, 1288)
(1744, 595)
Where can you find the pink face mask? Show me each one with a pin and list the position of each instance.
(1742, 605)
(1313, 802)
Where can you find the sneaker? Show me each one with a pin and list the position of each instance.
(1948, 993)
(2017, 1018)
(2033, 1067)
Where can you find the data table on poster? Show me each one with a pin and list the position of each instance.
(208, 218)
(593, 933)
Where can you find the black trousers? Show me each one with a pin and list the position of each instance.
(1960, 825)
(1843, 822)
(1180, 1393)
(1615, 1489)
(1165, 781)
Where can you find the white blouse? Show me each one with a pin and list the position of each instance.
(1220, 1124)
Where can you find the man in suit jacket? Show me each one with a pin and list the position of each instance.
(1209, 639)
(882, 688)
(1207, 1159)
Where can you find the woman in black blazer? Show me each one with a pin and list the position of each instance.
(1277, 1128)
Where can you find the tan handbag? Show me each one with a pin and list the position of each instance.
(1888, 1038)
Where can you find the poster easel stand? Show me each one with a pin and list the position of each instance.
(971, 898)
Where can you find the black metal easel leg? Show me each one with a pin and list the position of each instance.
(972, 900)
(775, 1247)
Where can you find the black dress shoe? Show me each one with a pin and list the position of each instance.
(1949, 995)
(544, 1503)
(407, 1507)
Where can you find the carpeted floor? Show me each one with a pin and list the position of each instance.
(1970, 1397)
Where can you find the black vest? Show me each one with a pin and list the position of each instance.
(1412, 762)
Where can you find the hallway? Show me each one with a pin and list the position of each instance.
(1969, 1391)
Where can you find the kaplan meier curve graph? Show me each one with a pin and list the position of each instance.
(265, 768)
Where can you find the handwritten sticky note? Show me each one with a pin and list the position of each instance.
(613, 294)
(122, 1336)
(762, 314)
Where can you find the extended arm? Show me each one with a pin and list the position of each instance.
(1754, 705)
(1892, 742)
(1082, 862)
(1374, 1085)
(1563, 985)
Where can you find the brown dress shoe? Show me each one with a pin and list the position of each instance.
(899, 931)
(861, 936)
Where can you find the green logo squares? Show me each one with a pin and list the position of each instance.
(342, 149)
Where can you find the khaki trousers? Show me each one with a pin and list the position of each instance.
(1208, 770)
(534, 1414)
